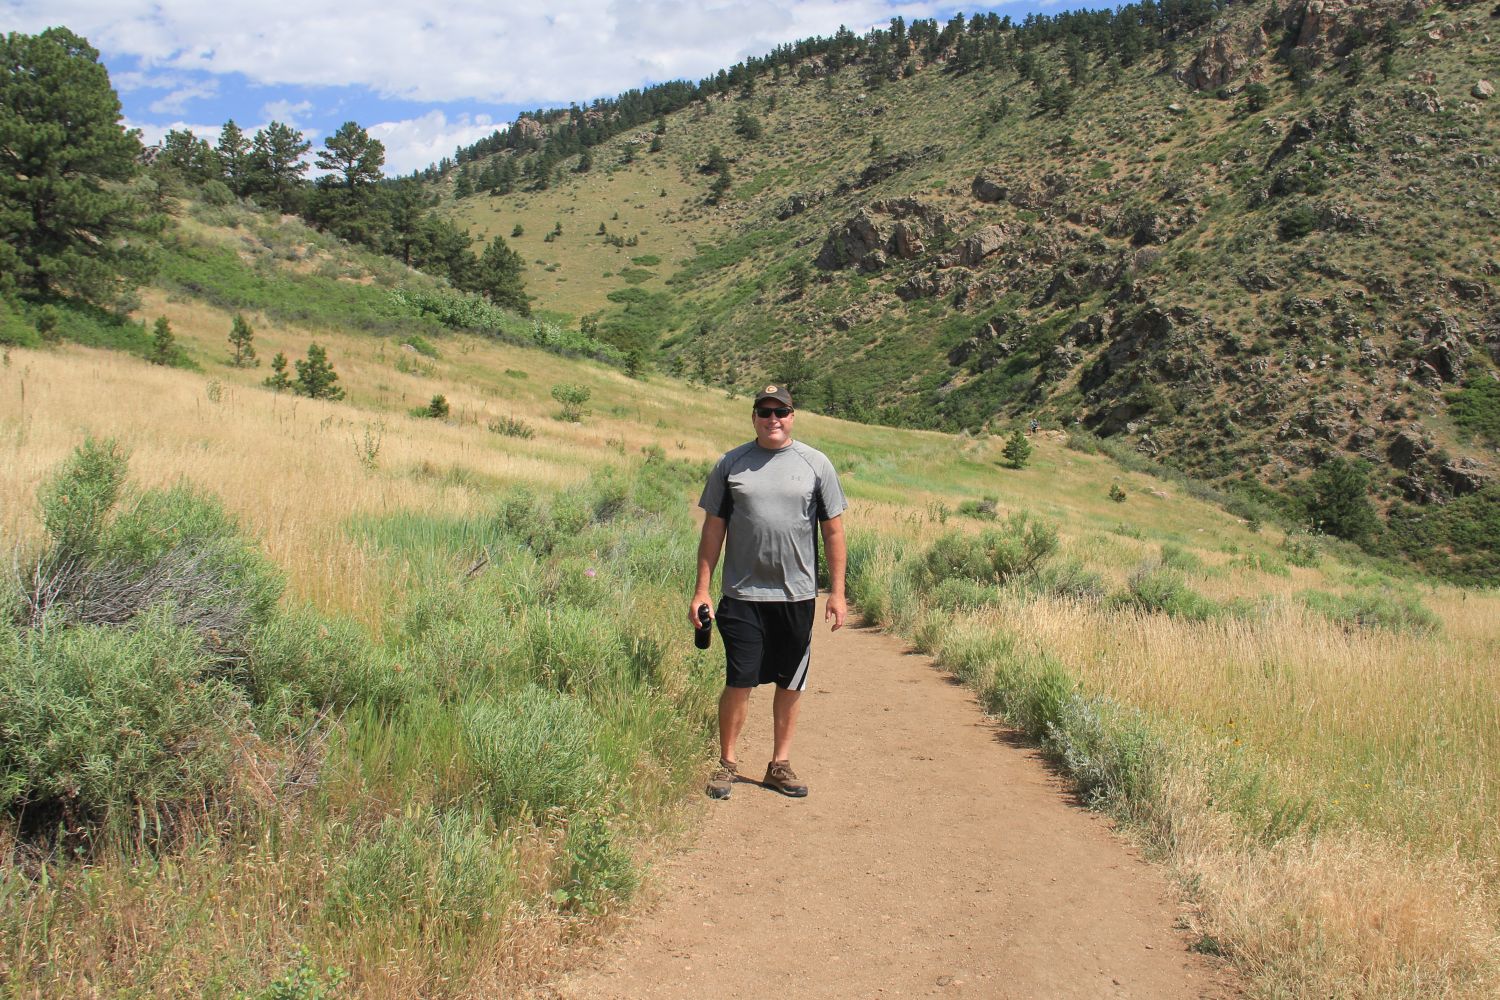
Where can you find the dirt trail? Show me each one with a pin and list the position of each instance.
(933, 857)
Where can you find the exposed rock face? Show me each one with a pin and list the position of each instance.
(1463, 476)
(977, 247)
(898, 227)
(1324, 27)
(990, 185)
(800, 202)
(1217, 63)
(1447, 352)
(529, 128)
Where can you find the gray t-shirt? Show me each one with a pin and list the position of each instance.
(773, 501)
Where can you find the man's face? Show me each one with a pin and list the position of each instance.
(772, 431)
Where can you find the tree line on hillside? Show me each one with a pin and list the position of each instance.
(78, 215)
(985, 41)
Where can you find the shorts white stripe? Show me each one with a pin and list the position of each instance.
(799, 679)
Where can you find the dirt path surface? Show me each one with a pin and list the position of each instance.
(933, 857)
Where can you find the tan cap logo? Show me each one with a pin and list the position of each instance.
(770, 389)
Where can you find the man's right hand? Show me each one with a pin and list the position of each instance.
(700, 599)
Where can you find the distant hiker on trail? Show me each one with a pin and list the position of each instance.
(769, 499)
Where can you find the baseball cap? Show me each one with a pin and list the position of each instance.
(780, 393)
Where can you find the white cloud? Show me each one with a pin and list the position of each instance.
(419, 142)
(286, 112)
(176, 102)
(466, 50)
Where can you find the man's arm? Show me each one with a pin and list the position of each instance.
(833, 545)
(710, 543)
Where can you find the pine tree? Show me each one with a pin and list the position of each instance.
(242, 338)
(316, 378)
(1340, 502)
(65, 220)
(278, 379)
(234, 157)
(163, 343)
(276, 165)
(1017, 450)
(355, 157)
(499, 277)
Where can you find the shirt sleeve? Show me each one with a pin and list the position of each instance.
(715, 499)
(831, 500)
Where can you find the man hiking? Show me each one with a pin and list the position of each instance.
(764, 505)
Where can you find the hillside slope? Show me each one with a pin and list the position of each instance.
(1266, 241)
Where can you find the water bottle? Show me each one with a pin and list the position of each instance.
(705, 630)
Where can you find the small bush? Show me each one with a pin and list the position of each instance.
(571, 397)
(1301, 550)
(1016, 551)
(1158, 590)
(420, 344)
(986, 509)
(1389, 610)
(509, 426)
(1178, 558)
(108, 725)
(599, 870)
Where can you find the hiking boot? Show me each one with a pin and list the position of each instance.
(781, 778)
(722, 780)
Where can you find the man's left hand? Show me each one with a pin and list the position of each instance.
(836, 608)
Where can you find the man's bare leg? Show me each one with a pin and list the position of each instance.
(784, 712)
(734, 708)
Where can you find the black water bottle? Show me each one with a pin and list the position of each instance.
(705, 630)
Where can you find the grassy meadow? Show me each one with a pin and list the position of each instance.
(468, 717)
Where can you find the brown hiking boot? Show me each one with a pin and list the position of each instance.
(781, 777)
(722, 780)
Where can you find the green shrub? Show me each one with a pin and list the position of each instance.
(114, 727)
(509, 426)
(1389, 610)
(571, 397)
(1178, 558)
(420, 344)
(1158, 590)
(986, 509)
(434, 873)
(1015, 551)
(598, 871)
(533, 752)
(1071, 580)
(1476, 407)
(1301, 550)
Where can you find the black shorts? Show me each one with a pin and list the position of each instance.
(766, 642)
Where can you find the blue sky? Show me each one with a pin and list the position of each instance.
(423, 78)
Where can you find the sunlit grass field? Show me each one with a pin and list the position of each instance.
(1327, 789)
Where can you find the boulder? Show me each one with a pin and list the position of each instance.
(988, 186)
(1483, 90)
(1463, 476)
(980, 245)
(800, 202)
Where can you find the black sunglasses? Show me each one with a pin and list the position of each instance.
(767, 412)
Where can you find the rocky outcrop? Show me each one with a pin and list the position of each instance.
(974, 249)
(1221, 60)
(800, 202)
(992, 186)
(897, 227)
